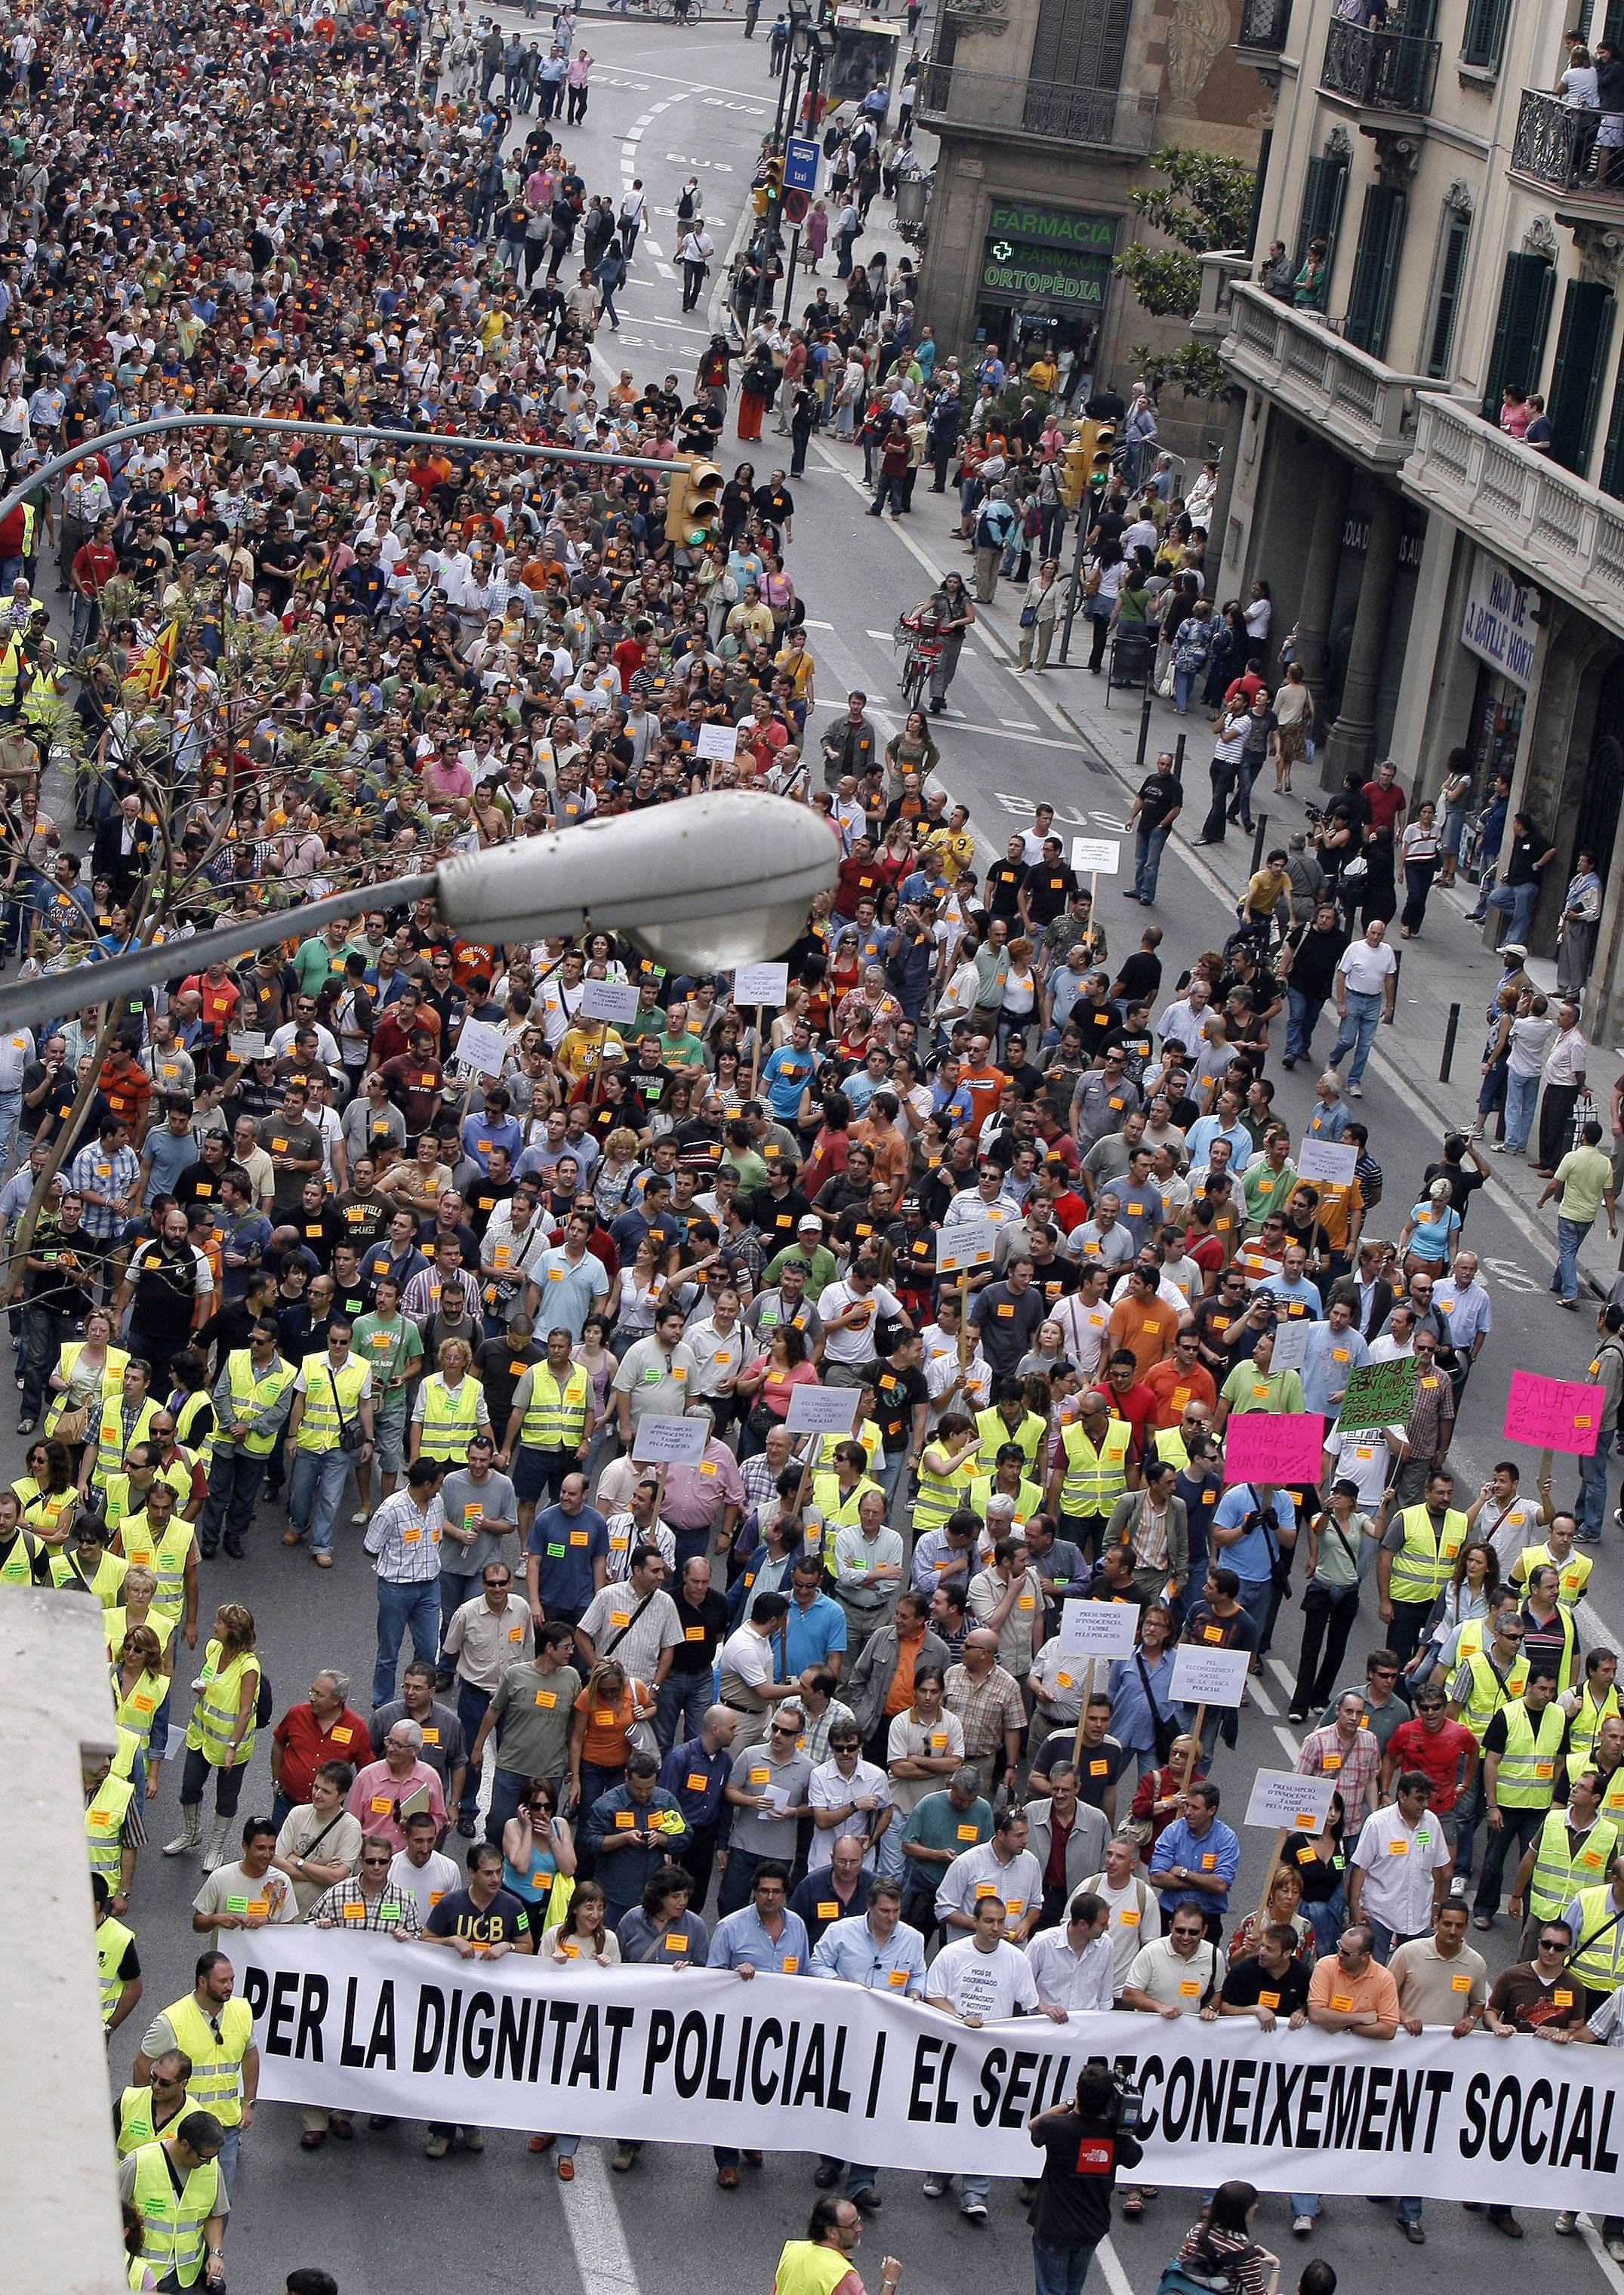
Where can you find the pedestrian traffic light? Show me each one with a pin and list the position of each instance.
(1102, 447)
(1074, 468)
(693, 504)
(772, 175)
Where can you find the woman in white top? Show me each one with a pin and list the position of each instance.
(637, 1289)
(1577, 86)
(1528, 1041)
(1418, 849)
(581, 1940)
(1294, 714)
(1259, 612)
(1020, 995)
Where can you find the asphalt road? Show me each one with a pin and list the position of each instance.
(480, 2223)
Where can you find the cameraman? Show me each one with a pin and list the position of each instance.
(1083, 2143)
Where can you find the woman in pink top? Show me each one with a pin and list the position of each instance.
(574, 80)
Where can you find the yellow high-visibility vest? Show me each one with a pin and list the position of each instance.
(253, 1391)
(216, 2064)
(214, 1716)
(555, 1418)
(104, 1822)
(113, 1940)
(451, 1418)
(165, 1556)
(1527, 1774)
(328, 1394)
(1598, 1949)
(172, 2227)
(1558, 1877)
(1421, 1566)
(1095, 1478)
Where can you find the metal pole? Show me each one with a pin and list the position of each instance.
(461, 442)
(1449, 1042)
(1398, 969)
(1073, 587)
(1257, 842)
(792, 55)
(814, 81)
(1179, 759)
(1145, 713)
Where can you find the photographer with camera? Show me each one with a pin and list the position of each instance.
(1084, 2144)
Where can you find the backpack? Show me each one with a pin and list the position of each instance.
(685, 207)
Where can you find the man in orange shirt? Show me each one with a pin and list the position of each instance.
(1180, 1378)
(1353, 1992)
(982, 1080)
(1142, 1321)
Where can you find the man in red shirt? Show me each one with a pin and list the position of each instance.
(219, 997)
(1129, 1398)
(1181, 1378)
(324, 1729)
(854, 878)
(95, 562)
(1444, 1751)
(405, 1017)
(1384, 800)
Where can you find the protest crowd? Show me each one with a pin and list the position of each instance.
(733, 1386)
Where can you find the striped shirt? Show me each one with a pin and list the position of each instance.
(345, 1905)
(405, 1539)
(113, 1174)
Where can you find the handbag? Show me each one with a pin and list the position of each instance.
(1165, 683)
(72, 1423)
(1029, 615)
(1584, 1111)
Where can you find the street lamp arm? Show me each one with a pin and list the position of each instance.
(461, 442)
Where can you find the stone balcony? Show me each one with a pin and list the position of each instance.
(1365, 409)
(1550, 526)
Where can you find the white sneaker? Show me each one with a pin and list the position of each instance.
(1301, 2226)
(974, 2211)
(1567, 2222)
(934, 2186)
(1354, 1090)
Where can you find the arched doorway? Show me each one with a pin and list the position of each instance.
(1597, 826)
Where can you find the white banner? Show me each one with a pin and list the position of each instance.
(366, 2024)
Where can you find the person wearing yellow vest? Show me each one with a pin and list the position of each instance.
(220, 1733)
(123, 1422)
(178, 2190)
(89, 1372)
(1484, 1681)
(1574, 1849)
(1550, 1637)
(1523, 1764)
(449, 1409)
(112, 1840)
(25, 1560)
(1008, 1479)
(87, 1566)
(214, 2028)
(818, 2263)
(330, 1428)
(550, 1428)
(1572, 1569)
(141, 1699)
(835, 1494)
(1090, 1473)
(148, 2111)
(1416, 1560)
(157, 1539)
(118, 1962)
(947, 1468)
(1009, 1420)
(47, 1493)
(1587, 1708)
(1596, 1918)
(252, 1397)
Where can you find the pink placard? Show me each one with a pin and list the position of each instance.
(1553, 1414)
(1266, 1446)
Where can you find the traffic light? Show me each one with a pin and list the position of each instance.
(769, 186)
(1075, 470)
(1102, 445)
(693, 504)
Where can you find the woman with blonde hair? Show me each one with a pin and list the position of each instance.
(583, 1939)
(601, 1736)
(1282, 1908)
(220, 1733)
(450, 1408)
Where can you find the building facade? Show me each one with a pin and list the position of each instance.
(1047, 112)
(1454, 588)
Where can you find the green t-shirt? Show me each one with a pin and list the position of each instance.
(1584, 1174)
(684, 1051)
(820, 1265)
(389, 1350)
(1247, 1388)
(314, 964)
(936, 1823)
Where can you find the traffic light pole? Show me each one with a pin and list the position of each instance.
(1074, 586)
(813, 85)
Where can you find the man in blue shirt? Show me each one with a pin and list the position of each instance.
(695, 1774)
(814, 1631)
(566, 1554)
(1253, 1524)
(1292, 1287)
(763, 1935)
(1336, 1350)
(871, 1946)
(1197, 1859)
(788, 1071)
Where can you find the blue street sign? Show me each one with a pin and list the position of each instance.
(800, 164)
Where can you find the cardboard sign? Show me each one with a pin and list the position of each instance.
(1267, 1446)
(718, 741)
(1089, 1629)
(250, 1045)
(761, 983)
(1379, 1394)
(822, 1410)
(1209, 1676)
(481, 1047)
(1096, 856)
(601, 1000)
(670, 1441)
(1553, 1414)
(969, 1243)
(1326, 1159)
(1291, 1343)
(1288, 1803)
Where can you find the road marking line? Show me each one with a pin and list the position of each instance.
(1283, 1674)
(1116, 2278)
(1261, 1699)
(1289, 1742)
(1020, 725)
(591, 2216)
(1605, 2263)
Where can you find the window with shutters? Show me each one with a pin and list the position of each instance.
(1612, 25)
(1578, 371)
(1611, 477)
(1325, 186)
(1483, 41)
(1447, 285)
(1081, 42)
(1376, 269)
(1517, 358)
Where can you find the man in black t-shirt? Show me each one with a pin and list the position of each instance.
(1268, 1984)
(1083, 2148)
(483, 1922)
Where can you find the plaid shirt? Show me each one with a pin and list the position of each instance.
(1431, 1418)
(343, 1906)
(109, 1175)
(987, 1709)
(1323, 1755)
(405, 1539)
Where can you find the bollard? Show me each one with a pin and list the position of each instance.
(1145, 714)
(1448, 1043)
(1257, 842)
(1397, 977)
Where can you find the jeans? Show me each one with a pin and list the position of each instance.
(194, 1782)
(1519, 903)
(1385, 1941)
(684, 1699)
(888, 1852)
(1148, 846)
(1184, 685)
(235, 1477)
(400, 1607)
(1223, 773)
(11, 1103)
(1255, 1595)
(1328, 1920)
(1060, 2270)
(454, 1590)
(1570, 1235)
(472, 1704)
(1592, 1505)
(1302, 1018)
(1517, 1828)
(1521, 1095)
(1356, 1032)
(44, 1329)
(314, 1493)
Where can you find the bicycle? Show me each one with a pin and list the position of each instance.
(921, 650)
(670, 11)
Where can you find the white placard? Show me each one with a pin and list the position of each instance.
(250, 1045)
(670, 1441)
(602, 1000)
(718, 741)
(1209, 1676)
(1089, 1629)
(481, 1047)
(1288, 1803)
(1291, 1343)
(968, 1243)
(822, 1410)
(1096, 856)
(761, 983)
(1326, 1159)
